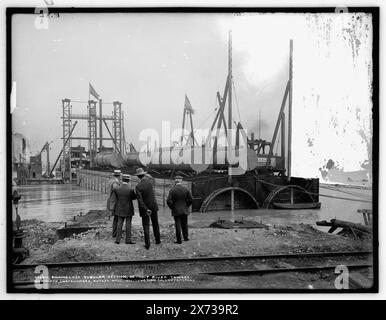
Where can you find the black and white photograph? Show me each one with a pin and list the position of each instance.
(196, 150)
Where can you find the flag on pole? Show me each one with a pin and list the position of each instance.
(92, 91)
(188, 106)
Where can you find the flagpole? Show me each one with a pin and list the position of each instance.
(100, 126)
(183, 122)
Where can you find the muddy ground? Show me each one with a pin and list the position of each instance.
(98, 245)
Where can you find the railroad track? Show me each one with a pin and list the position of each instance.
(61, 274)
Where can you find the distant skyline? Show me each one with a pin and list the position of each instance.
(149, 61)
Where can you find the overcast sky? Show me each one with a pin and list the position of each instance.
(149, 61)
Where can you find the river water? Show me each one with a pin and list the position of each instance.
(58, 203)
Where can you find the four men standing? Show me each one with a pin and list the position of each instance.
(121, 204)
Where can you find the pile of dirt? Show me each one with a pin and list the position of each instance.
(228, 224)
(27, 222)
(224, 238)
(92, 217)
(39, 235)
(304, 238)
(352, 235)
(69, 254)
(98, 244)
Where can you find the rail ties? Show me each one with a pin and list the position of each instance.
(212, 266)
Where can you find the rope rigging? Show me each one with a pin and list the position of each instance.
(316, 194)
(237, 103)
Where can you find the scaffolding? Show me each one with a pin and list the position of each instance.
(67, 125)
(93, 132)
(188, 111)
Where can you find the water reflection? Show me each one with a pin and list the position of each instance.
(55, 203)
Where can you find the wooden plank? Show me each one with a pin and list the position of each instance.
(344, 224)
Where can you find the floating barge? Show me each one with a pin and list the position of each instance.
(213, 192)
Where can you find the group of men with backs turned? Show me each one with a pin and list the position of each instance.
(120, 204)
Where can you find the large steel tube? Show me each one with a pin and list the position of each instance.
(131, 159)
(114, 160)
(190, 159)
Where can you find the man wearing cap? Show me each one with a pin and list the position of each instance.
(114, 183)
(179, 200)
(148, 207)
(124, 209)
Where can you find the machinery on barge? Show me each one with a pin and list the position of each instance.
(263, 179)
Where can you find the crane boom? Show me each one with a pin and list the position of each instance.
(68, 138)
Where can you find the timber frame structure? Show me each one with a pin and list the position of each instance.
(188, 111)
(93, 133)
(261, 188)
(280, 123)
(271, 162)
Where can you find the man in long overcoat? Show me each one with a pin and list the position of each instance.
(124, 209)
(148, 207)
(179, 200)
(114, 183)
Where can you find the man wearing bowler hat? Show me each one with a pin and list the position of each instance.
(124, 209)
(148, 207)
(179, 200)
(114, 183)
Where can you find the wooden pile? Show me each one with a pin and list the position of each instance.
(367, 216)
